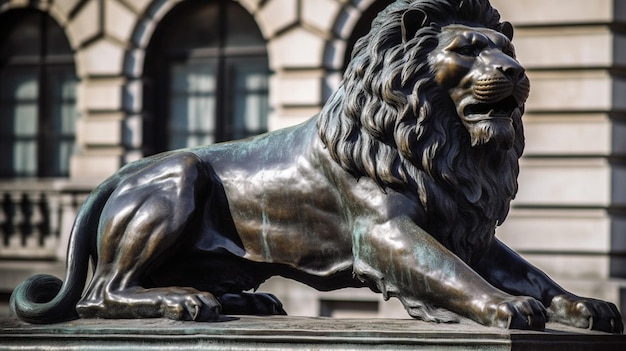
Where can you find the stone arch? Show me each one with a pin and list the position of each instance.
(146, 24)
(148, 21)
(133, 63)
(344, 24)
(336, 48)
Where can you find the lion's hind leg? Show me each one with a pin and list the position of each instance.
(141, 225)
(178, 303)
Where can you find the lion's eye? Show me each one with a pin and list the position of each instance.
(467, 50)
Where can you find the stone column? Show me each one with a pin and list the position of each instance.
(100, 32)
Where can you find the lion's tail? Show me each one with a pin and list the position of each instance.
(44, 298)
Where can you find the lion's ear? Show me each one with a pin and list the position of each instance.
(506, 28)
(412, 21)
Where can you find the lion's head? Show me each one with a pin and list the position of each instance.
(487, 85)
(432, 102)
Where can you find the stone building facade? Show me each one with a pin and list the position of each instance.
(118, 72)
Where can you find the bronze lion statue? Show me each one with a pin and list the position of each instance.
(397, 185)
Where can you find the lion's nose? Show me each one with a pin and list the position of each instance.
(513, 71)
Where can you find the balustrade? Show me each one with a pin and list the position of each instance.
(34, 219)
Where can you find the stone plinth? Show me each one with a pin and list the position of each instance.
(294, 333)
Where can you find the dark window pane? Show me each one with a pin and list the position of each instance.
(192, 104)
(19, 120)
(61, 91)
(56, 41)
(207, 80)
(23, 34)
(241, 29)
(199, 29)
(249, 97)
(58, 133)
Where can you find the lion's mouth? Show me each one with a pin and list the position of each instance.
(501, 109)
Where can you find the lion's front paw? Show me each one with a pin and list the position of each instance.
(193, 305)
(517, 312)
(585, 313)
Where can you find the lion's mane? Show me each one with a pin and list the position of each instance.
(391, 122)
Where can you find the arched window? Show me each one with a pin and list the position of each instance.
(37, 96)
(206, 77)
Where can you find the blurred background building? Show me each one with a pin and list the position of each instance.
(87, 86)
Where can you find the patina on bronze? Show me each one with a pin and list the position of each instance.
(398, 185)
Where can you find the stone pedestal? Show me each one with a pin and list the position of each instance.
(294, 333)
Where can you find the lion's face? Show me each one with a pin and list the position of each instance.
(488, 86)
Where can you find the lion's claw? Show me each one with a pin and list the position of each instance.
(585, 313)
(528, 314)
(193, 306)
(517, 312)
